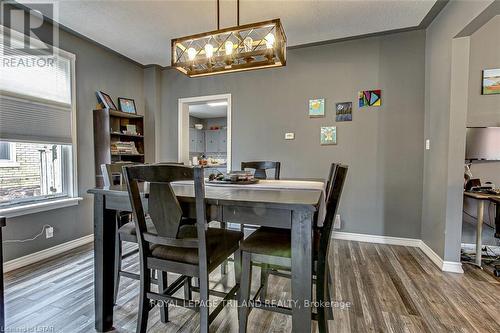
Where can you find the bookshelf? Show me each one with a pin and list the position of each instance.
(109, 135)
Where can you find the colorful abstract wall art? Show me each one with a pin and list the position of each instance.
(317, 107)
(491, 81)
(370, 98)
(343, 111)
(329, 135)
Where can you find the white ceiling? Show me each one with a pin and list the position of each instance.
(142, 30)
(204, 111)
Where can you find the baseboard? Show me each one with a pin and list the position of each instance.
(45, 254)
(412, 242)
(446, 266)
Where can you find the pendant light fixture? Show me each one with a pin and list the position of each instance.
(239, 48)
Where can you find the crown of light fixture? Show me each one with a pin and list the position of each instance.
(239, 48)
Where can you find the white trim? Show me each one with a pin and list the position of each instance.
(38, 207)
(45, 254)
(412, 242)
(180, 124)
(446, 266)
(12, 161)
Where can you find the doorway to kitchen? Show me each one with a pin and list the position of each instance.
(204, 132)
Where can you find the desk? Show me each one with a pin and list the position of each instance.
(284, 208)
(481, 198)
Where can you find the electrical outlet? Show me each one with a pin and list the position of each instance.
(427, 144)
(289, 136)
(49, 232)
(337, 223)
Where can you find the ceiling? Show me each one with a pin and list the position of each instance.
(142, 30)
(204, 111)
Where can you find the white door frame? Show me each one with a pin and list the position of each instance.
(183, 125)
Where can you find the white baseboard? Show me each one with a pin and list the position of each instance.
(45, 254)
(446, 266)
(412, 242)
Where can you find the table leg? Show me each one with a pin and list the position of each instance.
(104, 266)
(302, 222)
(479, 231)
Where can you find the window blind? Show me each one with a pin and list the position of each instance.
(35, 94)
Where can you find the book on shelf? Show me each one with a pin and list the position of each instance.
(125, 148)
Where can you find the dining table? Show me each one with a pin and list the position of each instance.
(291, 204)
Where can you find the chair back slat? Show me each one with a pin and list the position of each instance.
(329, 180)
(260, 168)
(109, 171)
(163, 207)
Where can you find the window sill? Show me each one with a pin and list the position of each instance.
(9, 165)
(38, 207)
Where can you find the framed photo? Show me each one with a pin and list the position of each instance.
(328, 135)
(106, 100)
(343, 111)
(127, 105)
(491, 82)
(370, 98)
(317, 107)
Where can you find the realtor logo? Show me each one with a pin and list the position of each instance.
(39, 33)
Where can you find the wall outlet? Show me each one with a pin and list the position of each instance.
(427, 144)
(337, 223)
(289, 136)
(49, 232)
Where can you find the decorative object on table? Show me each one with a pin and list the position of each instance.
(234, 177)
(127, 105)
(343, 111)
(106, 100)
(370, 98)
(317, 107)
(491, 81)
(131, 129)
(328, 135)
(223, 50)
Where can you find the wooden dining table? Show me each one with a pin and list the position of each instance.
(291, 208)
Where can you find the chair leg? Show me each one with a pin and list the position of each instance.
(321, 282)
(118, 266)
(144, 306)
(204, 301)
(244, 298)
(223, 267)
(328, 293)
(264, 277)
(237, 266)
(188, 295)
(162, 285)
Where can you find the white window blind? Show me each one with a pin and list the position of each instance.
(35, 94)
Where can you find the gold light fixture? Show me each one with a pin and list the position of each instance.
(239, 48)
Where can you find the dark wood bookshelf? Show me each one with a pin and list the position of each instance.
(108, 128)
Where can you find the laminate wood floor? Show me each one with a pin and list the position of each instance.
(385, 289)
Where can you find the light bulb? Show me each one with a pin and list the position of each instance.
(191, 53)
(228, 45)
(269, 40)
(209, 50)
(248, 44)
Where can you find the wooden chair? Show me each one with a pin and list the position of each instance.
(260, 168)
(272, 246)
(165, 245)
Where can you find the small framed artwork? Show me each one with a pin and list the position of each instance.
(127, 105)
(317, 107)
(328, 135)
(106, 100)
(491, 82)
(343, 111)
(370, 98)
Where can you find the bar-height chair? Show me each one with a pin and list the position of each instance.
(260, 168)
(272, 246)
(192, 251)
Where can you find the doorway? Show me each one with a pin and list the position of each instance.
(204, 132)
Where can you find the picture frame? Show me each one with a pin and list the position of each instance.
(106, 100)
(490, 83)
(343, 111)
(127, 105)
(328, 135)
(317, 107)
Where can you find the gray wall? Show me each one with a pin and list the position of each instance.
(440, 202)
(96, 69)
(383, 146)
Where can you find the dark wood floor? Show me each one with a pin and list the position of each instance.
(390, 289)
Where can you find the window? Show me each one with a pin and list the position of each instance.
(37, 135)
(7, 154)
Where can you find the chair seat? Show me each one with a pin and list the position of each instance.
(274, 242)
(221, 243)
